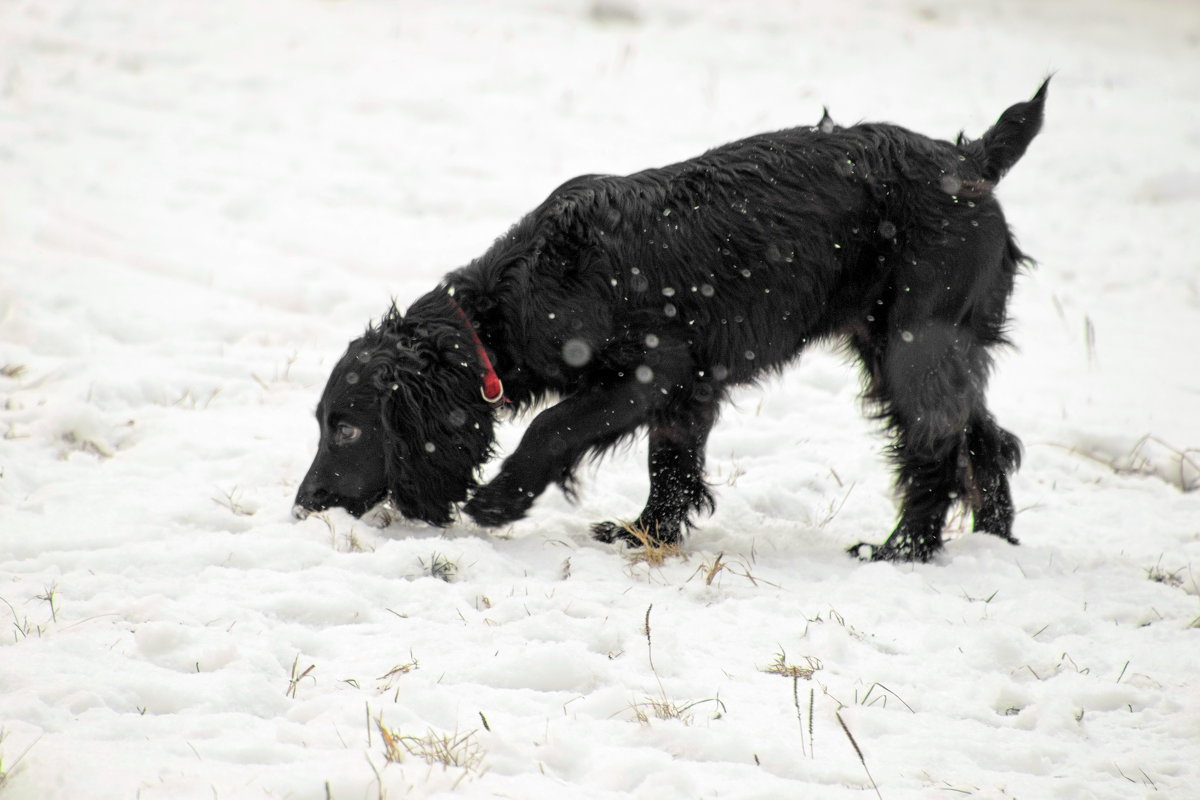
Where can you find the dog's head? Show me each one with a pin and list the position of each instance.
(401, 418)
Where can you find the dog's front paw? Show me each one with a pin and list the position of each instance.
(609, 532)
(635, 534)
(498, 503)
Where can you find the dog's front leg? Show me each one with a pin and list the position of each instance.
(558, 438)
(677, 487)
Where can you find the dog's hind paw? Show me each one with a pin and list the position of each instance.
(863, 551)
(891, 550)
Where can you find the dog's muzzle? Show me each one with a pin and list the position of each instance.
(300, 512)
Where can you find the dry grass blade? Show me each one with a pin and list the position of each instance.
(1140, 460)
(8, 769)
(859, 753)
(15, 371)
(400, 669)
(721, 565)
(812, 746)
(1181, 470)
(867, 701)
(49, 596)
(717, 566)
(392, 751)
(781, 667)
(229, 499)
(650, 650)
(354, 545)
(389, 679)
(834, 508)
(649, 550)
(341, 542)
(661, 708)
(1089, 339)
(294, 681)
(1160, 575)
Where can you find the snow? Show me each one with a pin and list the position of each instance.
(203, 202)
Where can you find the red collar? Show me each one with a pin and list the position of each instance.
(492, 389)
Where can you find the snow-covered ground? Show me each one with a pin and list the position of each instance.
(200, 203)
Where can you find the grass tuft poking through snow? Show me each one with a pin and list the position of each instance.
(459, 750)
(440, 567)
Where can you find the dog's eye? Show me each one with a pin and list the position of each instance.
(345, 434)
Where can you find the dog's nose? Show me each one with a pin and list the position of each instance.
(309, 500)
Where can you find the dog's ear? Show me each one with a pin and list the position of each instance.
(437, 429)
(406, 464)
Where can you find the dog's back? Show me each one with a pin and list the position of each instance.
(798, 234)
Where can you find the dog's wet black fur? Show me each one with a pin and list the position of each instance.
(640, 300)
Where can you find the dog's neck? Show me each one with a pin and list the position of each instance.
(492, 389)
(485, 289)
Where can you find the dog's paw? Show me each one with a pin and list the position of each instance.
(635, 534)
(609, 532)
(894, 549)
(497, 504)
(863, 551)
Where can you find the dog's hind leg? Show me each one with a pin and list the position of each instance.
(994, 453)
(677, 486)
(928, 381)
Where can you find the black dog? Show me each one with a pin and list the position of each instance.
(640, 300)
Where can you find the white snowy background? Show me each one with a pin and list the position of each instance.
(202, 202)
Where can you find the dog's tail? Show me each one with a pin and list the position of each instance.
(1005, 142)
